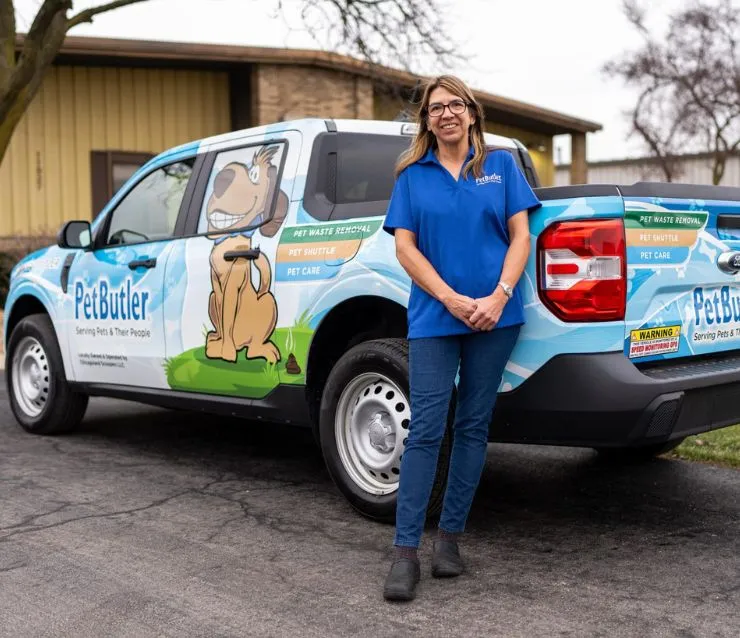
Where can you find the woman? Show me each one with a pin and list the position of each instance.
(459, 216)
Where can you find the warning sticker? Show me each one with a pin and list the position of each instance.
(651, 341)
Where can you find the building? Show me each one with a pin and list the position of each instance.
(690, 169)
(107, 105)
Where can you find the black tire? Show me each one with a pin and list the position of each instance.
(638, 454)
(389, 358)
(61, 409)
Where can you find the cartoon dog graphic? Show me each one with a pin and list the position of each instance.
(243, 315)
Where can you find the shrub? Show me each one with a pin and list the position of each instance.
(12, 250)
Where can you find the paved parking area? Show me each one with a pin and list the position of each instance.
(158, 523)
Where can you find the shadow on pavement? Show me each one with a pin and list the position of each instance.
(530, 487)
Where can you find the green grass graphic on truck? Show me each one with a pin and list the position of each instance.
(192, 371)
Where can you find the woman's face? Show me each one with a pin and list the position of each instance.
(448, 127)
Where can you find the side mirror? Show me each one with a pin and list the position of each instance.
(75, 234)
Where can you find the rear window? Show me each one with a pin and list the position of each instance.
(351, 174)
(365, 165)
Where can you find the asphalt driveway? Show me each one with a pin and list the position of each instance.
(158, 523)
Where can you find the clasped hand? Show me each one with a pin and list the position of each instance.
(479, 314)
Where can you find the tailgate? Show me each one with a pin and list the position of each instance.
(683, 256)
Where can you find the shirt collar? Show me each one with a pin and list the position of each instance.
(430, 157)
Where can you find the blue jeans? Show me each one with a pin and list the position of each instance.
(433, 365)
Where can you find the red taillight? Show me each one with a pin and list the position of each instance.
(582, 270)
(562, 269)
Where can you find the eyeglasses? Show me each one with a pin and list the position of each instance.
(456, 108)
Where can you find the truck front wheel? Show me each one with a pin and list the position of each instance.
(40, 397)
(363, 426)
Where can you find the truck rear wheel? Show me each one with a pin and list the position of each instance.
(40, 397)
(363, 426)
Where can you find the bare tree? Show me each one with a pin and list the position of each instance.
(401, 32)
(688, 83)
(21, 75)
(393, 32)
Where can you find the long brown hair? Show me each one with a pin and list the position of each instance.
(425, 139)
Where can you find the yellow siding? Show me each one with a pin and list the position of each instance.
(68, 205)
(45, 177)
(169, 120)
(19, 172)
(83, 133)
(52, 157)
(95, 78)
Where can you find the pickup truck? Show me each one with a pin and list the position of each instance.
(248, 274)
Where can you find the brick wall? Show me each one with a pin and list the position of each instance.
(289, 92)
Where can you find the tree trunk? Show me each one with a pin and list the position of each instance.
(7, 41)
(666, 165)
(15, 100)
(718, 169)
(667, 171)
(9, 123)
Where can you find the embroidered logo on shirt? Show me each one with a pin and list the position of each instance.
(495, 178)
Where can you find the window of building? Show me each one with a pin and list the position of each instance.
(111, 170)
(149, 210)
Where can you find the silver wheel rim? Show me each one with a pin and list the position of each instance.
(31, 376)
(371, 426)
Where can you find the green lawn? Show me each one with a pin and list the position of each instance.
(192, 371)
(721, 447)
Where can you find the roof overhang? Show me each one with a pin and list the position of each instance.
(109, 51)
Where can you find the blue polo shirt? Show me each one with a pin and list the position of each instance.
(461, 228)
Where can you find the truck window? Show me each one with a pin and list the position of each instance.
(148, 212)
(351, 174)
(365, 165)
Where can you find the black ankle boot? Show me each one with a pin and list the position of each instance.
(400, 584)
(446, 561)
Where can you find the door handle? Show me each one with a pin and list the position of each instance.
(142, 263)
(252, 253)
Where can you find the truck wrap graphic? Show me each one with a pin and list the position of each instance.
(674, 281)
(678, 302)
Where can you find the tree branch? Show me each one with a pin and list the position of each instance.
(42, 22)
(652, 138)
(88, 14)
(688, 81)
(635, 15)
(47, 31)
(394, 32)
(40, 47)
